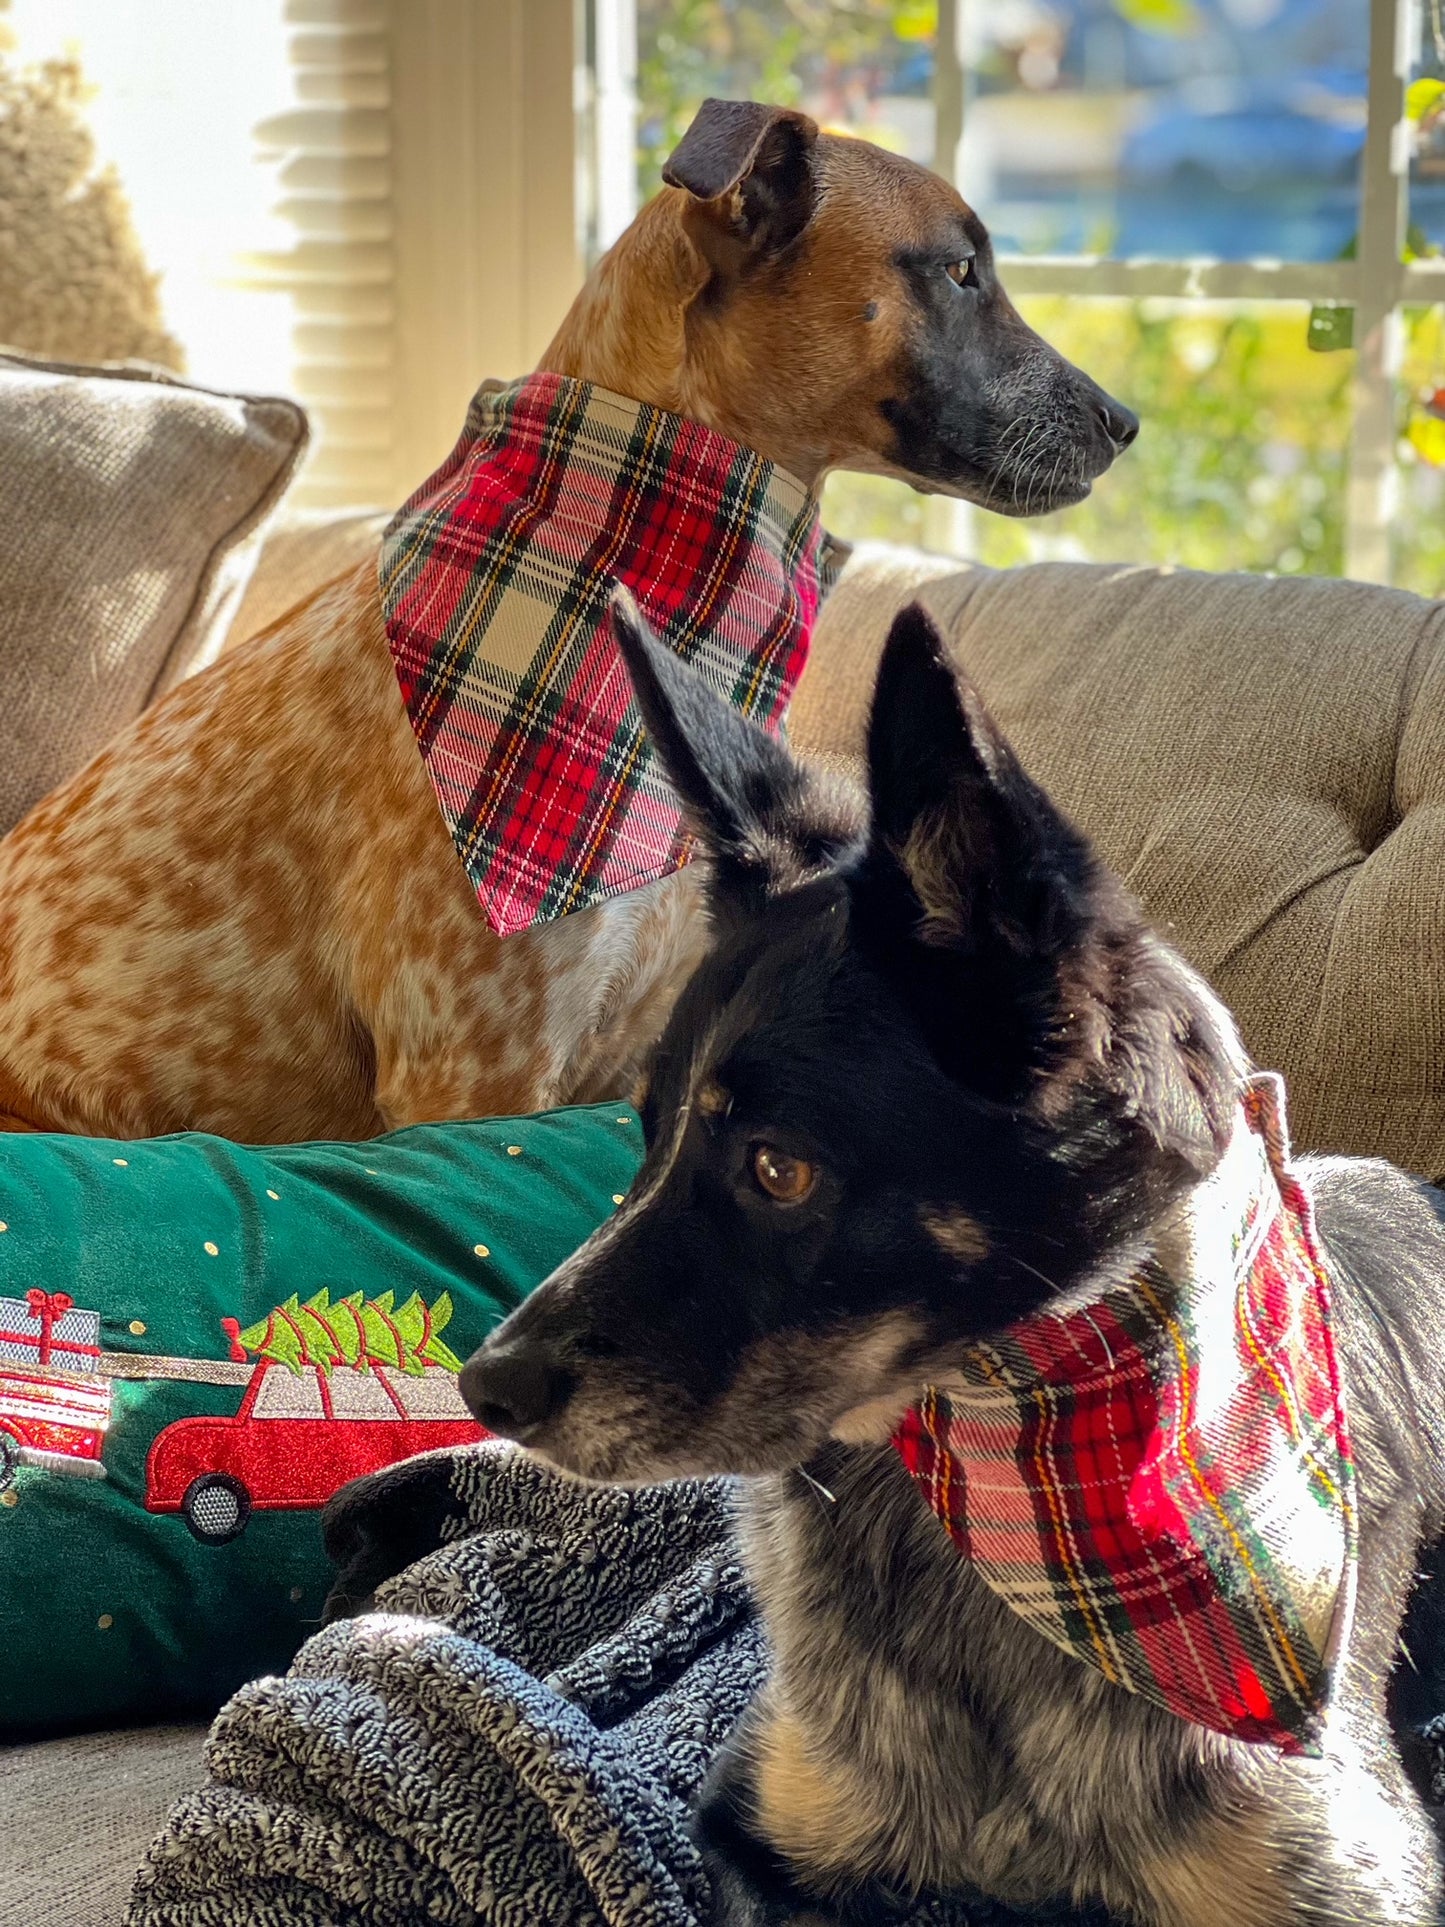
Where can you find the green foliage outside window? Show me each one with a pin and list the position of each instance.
(760, 50)
(1420, 523)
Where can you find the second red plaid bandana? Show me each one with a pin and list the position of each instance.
(1162, 1483)
(495, 579)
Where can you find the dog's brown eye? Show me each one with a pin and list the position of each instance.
(960, 272)
(785, 1179)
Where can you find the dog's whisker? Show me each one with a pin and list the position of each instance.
(817, 1485)
(1034, 1272)
(1108, 1349)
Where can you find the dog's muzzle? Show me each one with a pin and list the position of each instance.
(515, 1390)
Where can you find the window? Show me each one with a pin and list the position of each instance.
(1229, 211)
(366, 203)
(171, 94)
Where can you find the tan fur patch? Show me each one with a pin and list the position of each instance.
(875, 1422)
(934, 859)
(815, 1814)
(712, 1100)
(1226, 1871)
(956, 1234)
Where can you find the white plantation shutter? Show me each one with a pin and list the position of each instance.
(427, 172)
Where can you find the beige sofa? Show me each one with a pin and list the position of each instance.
(1264, 761)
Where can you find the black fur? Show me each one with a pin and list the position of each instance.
(1001, 1080)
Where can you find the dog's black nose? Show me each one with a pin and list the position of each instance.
(514, 1390)
(1119, 423)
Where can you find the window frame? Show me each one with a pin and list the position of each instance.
(444, 132)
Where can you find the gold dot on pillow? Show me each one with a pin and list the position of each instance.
(9, 1498)
(617, 1196)
(482, 1251)
(514, 1150)
(624, 1120)
(105, 1622)
(214, 1250)
(3, 1226)
(122, 1162)
(137, 1327)
(273, 1194)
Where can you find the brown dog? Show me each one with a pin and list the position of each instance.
(246, 915)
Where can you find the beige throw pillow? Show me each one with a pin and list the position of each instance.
(125, 499)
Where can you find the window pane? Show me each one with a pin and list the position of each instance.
(1426, 108)
(1418, 560)
(1240, 463)
(867, 66)
(1231, 128)
(871, 508)
(1419, 524)
(175, 90)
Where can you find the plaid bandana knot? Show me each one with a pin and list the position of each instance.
(495, 579)
(1162, 1483)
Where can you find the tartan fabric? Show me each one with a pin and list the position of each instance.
(1161, 1482)
(495, 579)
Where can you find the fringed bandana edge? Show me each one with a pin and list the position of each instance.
(1161, 1482)
(495, 578)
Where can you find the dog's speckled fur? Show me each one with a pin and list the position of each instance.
(247, 915)
(1004, 1087)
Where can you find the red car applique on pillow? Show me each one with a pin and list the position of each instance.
(337, 1391)
(328, 1392)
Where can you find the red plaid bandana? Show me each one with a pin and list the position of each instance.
(1162, 1483)
(495, 578)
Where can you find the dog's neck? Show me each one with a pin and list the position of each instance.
(628, 331)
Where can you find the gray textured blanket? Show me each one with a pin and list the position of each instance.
(509, 1734)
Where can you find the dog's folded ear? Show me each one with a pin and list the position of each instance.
(759, 814)
(749, 170)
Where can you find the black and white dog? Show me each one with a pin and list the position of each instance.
(937, 1079)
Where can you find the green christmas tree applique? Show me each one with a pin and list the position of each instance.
(356, 1331)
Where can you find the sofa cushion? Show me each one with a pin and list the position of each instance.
(299, 554)
(79, 1815)
(1263, 761)
(127, 496)
(200, 1342)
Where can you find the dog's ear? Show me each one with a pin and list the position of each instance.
(975, 887)
(749, 170)
(1025, 961)
(754, 807)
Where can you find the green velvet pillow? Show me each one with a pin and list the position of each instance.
(199, 1343)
